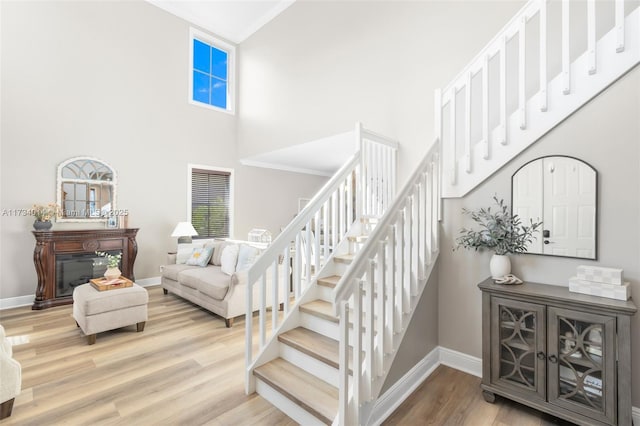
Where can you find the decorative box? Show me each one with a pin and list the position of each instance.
(610, 291)
(259, 236)
(600, 275)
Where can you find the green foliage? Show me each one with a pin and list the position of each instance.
(113, 260)
(211, 220)
(499, 231)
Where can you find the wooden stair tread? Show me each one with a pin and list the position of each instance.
(314, 344)
(344, 258)
(321, 309)
(331, 281)
(358, 238)
(314, 395)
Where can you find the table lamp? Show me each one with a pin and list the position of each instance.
(184, 231)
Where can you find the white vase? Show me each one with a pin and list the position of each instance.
(500, 265)
(112, 273)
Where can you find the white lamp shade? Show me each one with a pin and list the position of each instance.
(184, 229)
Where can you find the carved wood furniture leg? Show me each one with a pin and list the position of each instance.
(140, 326)
(91, 338)
(489, 396)
(228, 322)
(6, 408)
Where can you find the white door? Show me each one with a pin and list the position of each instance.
(527, 199)
(569, 208)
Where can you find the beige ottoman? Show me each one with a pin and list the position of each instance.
(97, 311)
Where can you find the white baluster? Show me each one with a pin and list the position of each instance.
(391, 294)
(619, 26)
(399, 270)
(316, 242)
(335, 235)
(380, 309)
(369, 355)
(286, 290)
(274, 302)
(435, 204)
(430, 218)
(341, 210)
(357, 344)
(307, 254)
(248, 327)
(297, 268)
(452, 135)
(503, 91)
(543, 55)
(485, 107)
(343, 364)
(467, 119)
(325, 228)
(566, 49)
(591, 35)
(263, 311)
(522, 63)
(349, 201)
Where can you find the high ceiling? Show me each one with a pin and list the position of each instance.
(234, 20)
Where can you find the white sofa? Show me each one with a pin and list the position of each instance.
(10, 376)
(223, 293)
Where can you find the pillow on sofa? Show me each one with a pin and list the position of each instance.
(247, 255)
(184, 252)
(214, 247)
(200, 256)
(216, 259)
(229, 258)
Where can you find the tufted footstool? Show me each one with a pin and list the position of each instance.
(97, 311)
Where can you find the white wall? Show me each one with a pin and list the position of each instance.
(606, 134)
(321, 66)
(109, 80)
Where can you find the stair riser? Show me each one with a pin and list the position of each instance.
(309, 364)
(326, 328)
(285, 405)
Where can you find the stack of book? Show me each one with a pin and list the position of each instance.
(599, 281)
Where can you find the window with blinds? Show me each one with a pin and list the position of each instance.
(210, 195)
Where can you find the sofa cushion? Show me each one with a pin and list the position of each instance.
(247, 255)
(184, 251)
(200, 256)
(229, 259)
(210, 281)
(216, 259)
(214, 246)
(172, 271)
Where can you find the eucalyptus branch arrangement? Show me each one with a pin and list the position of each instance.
(113, 260)
(500, 231)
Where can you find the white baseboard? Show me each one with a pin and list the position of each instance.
(16, 302)
(635, 415)
(147, 282)
(405, 386)
(461, 361)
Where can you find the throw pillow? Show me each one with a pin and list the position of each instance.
(229, 259)
(247, 255)
(214, 246)
(200, 256)
(184, 252)
(217, 254)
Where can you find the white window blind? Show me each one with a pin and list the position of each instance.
(210, 195)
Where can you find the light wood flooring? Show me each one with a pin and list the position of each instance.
(186, 368)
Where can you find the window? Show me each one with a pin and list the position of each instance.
(211, 72)
(211, 201)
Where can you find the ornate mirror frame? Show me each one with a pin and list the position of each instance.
(93, 174)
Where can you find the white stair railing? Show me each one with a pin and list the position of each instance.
(365, 185)
(486, 120)
(381, 288)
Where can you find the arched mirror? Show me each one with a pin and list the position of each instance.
(86, 189)
(561, 192)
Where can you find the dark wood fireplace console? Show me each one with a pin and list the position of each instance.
(50, 244)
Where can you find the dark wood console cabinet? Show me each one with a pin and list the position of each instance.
(50, 244)
(563, 353)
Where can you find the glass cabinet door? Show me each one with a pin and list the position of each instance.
(518, 330)
(582, 363)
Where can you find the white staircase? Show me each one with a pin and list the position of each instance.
(358, 271)
(527, 80)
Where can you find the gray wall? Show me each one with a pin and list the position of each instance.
(606, 134)
(109, 80)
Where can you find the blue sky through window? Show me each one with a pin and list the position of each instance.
(210, 66)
